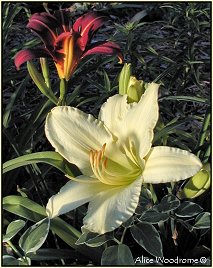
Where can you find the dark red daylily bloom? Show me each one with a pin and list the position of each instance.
(64, 43)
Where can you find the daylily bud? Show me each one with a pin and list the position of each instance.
(124, 78)
(40, 83)
(45, 71)
(129, 85)
(197, 184)
(135, 89)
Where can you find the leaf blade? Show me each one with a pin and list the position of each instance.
(148, 238)
(48, 157)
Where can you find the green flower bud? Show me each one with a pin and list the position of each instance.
(45, 71)
(197, 184)
(129, 85)
(124, 78)
(40, 83)
(135, 89)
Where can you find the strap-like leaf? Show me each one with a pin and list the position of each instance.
(51, 158)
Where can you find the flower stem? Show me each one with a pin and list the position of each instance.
(122, 237)
(63, 91)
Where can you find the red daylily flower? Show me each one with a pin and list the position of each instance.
(66, 44)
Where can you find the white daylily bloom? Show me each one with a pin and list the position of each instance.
(115, 156)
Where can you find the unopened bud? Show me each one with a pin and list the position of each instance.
(197, 184)
(130, 85)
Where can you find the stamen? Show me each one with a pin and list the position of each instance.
(98, 163)
(91, 157)
(104, 163)
(113, 174)
(99, 156)
(103, 148)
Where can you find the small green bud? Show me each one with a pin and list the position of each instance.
(135, 89)
(197, 184)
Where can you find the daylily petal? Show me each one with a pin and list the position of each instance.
(72, 195)
(168, 164)
(44, 25)
(108, 48)
(29, 54)
(87, 24)
(72, 55)
(110, 208)
(74, 134)
(140, 121)
(113, 111)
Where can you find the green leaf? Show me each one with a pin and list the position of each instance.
(99, 240)
(205, 129)
(33, 123)
(146, 235)
(139, 16)
(49, 157)
(152, 50)
(169, 129)
(185, 98)
(117, 255)
(153, 216)
(10, 261)
(168, 203)
(14, 96)
(188, 209)
(30, 210)
(93, 239)
(107, 83)
(24, 207)
(54, 254)
(202, 221)
(65, 231)
(9, 13)
(86, 235)
(12, 229)
(35, 236)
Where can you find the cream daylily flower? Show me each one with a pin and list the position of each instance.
(115, 156)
